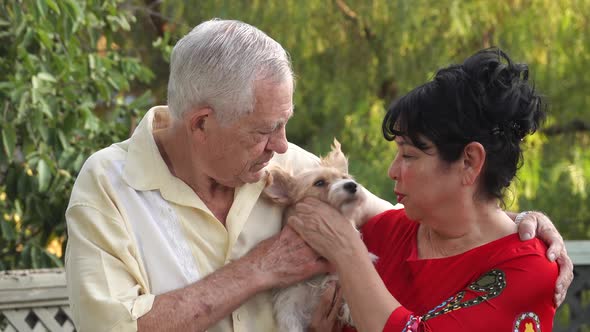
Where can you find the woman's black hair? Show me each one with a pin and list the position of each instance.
(487, 99)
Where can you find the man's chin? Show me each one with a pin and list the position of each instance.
(254, 177)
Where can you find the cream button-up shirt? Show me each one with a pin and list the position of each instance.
(136, 231)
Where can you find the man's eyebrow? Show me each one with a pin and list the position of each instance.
(276, 125)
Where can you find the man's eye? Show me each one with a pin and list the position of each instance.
(319, 183)
(407, 156)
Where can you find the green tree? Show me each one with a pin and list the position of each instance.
(71, 72)
(352, 58)
(63, 95)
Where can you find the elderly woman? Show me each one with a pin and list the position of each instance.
(450, 260)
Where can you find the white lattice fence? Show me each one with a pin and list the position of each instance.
(34, 300)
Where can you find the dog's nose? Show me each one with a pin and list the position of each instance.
(350, 187)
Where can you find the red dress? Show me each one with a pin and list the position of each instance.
(504, 285)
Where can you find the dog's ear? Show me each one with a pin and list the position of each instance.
(277, 186)
(336, 158)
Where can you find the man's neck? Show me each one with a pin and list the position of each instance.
(176, 153)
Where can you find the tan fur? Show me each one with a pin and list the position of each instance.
(331, 183)
(286, 189)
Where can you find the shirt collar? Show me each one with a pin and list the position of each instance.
(145, 169)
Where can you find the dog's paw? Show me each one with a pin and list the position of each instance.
(344, 315)
(374, 258)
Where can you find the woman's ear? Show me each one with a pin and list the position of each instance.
(474, 157)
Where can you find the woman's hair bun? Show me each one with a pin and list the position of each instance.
(506, 98)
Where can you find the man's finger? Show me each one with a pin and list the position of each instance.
(552, 237)
(328, 298)
(549, 234)
(554, 250)
(294, 223)
(337, 302)
(527, 228)
(565, 278)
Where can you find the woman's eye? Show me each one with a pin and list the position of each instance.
(407, 156)
(319, 183)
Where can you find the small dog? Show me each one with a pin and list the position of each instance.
(331, 183)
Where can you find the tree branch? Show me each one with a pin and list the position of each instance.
(576, 125)
(157, 19)
(354, 17)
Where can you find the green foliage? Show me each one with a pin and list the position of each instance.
(62, 96)
(352, 58)
(71, 72)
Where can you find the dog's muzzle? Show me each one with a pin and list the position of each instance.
(350, 187)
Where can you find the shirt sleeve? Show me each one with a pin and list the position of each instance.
(105, 285)
(296, 159)
(515, 296)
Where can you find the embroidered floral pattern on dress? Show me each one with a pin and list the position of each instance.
(489, 286)
(527, 322)
(412, 324)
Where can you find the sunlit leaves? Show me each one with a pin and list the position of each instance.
(8, 141)
(352, 55)
(69, 73)
(62, 74)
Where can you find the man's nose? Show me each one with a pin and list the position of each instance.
(278, 141)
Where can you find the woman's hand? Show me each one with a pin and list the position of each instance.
(334, 237)
(325, 230)
(325, 316)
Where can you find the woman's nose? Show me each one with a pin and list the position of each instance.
(393, 171)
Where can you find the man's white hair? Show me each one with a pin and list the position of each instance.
(216, 64)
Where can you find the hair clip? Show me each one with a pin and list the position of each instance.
(517, 130)
(496, 131)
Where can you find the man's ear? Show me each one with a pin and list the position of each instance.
(336, 158)
(279, 185)
(474, 157)
(198, 120)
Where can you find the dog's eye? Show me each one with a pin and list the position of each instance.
(319, 183)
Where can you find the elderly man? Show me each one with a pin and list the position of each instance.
(167, 230)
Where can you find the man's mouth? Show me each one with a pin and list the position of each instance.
(400, 197)
(259, 166)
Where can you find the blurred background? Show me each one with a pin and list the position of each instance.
(77, 75)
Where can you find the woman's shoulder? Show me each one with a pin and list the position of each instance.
(524, 264)
(511, 251)
(530, 254)
(511, 248)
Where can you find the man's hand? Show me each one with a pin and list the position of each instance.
(325, 316)
(285, 259)
(537, 224)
